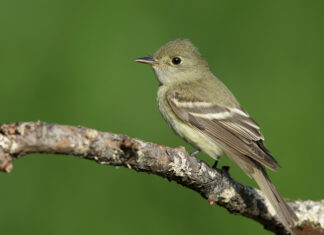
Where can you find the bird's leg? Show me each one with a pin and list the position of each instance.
(215, 164)
(224, 168)
(193, 154)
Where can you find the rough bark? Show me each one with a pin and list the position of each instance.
(215, 185)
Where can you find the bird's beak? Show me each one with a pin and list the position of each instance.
(147, 60)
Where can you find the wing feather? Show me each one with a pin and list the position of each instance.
(232, 129)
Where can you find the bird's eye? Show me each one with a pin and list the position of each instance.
(176, 60)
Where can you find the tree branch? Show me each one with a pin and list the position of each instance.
(19, 139)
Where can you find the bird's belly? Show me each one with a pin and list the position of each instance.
(188, 133)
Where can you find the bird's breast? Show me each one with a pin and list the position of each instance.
(193, 136)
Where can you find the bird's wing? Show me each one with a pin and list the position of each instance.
(231, 128)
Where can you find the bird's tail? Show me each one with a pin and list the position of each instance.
(286, 215)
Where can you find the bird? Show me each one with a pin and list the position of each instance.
(203, 111)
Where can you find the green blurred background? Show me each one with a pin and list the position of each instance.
(72, 62)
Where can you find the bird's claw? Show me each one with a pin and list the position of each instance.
(193, 154)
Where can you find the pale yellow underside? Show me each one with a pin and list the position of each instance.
(184, 130)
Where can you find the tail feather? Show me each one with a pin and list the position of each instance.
(286, 215)
(254, 169)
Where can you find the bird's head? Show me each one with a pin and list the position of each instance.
(177, 61)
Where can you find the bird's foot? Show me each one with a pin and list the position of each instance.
(225, 169)
(193, 154)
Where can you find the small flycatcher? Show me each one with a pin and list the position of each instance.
(203, 111)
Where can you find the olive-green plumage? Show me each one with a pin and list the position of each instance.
(203, 111)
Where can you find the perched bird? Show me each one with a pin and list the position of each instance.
(204, 112)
